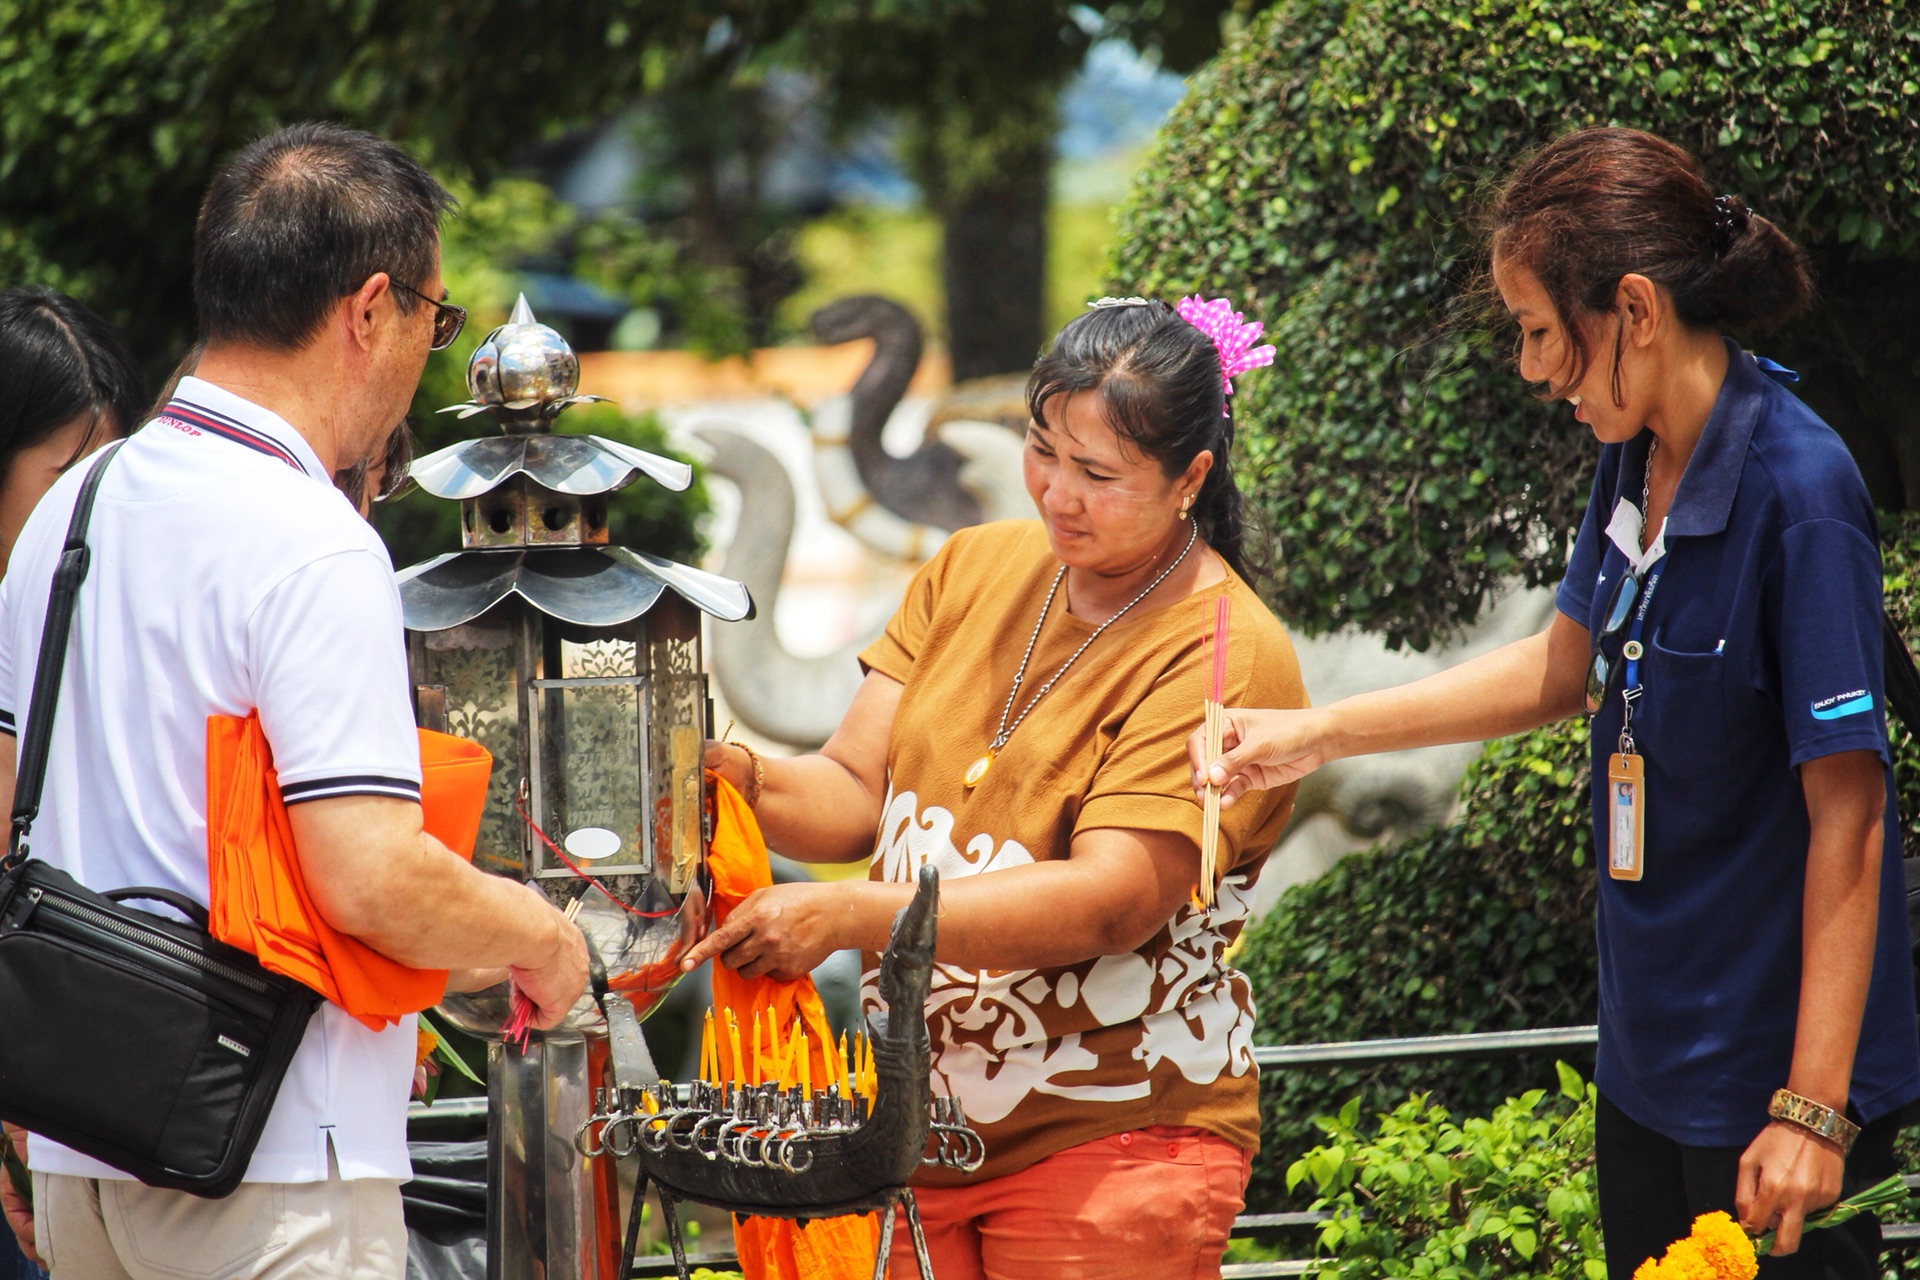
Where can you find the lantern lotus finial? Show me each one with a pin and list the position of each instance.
(522, 374)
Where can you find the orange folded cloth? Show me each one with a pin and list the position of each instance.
(776, 1248)
(260, 902)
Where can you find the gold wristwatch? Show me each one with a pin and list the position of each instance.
(1815, 1117)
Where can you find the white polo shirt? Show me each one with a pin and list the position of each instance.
(228, 575)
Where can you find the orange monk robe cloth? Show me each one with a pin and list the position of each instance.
(259, 899)
(776, 1248)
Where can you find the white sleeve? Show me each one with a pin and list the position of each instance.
(327, 653)
(8, 719)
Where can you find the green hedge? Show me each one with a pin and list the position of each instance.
(1321, 173)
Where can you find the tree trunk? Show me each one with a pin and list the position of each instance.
(994, 264)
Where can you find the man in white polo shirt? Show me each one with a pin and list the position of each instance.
(229, 575)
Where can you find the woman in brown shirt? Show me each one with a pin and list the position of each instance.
(1022, 727)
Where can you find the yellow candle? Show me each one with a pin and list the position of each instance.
(709, 1071)
(872, 1083)
(776, 1056)
(755, 1072)
(842, 1065)
(733, 1046)
(806, 1064)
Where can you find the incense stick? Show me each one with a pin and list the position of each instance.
(1215, 726)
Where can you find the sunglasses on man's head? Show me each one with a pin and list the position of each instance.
(1601, 669)
(448, 320)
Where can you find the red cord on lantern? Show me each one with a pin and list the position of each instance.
(576, 868)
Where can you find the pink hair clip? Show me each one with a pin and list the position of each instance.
(1233, 336)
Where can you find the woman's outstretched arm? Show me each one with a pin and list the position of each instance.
(1112, 894)
(1516, 687)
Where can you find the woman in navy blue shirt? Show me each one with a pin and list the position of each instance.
(1720, 623)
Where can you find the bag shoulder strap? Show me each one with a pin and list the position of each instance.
(1902, 677)
(31, 773)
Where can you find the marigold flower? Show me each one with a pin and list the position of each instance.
(1727, 1246)
(1717, 1249)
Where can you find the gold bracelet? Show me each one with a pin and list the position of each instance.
(759, 773)
(1816, 1118)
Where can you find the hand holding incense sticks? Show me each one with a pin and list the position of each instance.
(1215, 728)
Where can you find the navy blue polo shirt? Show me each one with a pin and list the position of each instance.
(1762, 652)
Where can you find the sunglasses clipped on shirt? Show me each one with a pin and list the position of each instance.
(1602, 669)
(448, 320)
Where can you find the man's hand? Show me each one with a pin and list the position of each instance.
(555, 983)
(18, 1208)
(779, 932)
(1786, 1174)
(1260, 750)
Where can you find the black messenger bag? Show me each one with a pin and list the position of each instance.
(130, 1037)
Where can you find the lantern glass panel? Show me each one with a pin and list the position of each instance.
(599, 658)
(476, 666)
(587, 768)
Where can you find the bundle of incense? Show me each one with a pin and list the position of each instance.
(1215, 727)
(519, 1028)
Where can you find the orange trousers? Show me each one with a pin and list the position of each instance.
(1150, 1204)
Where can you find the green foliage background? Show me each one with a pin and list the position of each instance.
(1420, 1193)
(115, 114)
(1322, 172)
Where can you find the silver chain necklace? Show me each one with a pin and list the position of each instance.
(978, 769)
(1646, 491)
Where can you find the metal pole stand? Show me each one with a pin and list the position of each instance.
(541, 1199)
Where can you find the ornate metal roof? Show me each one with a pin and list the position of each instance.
(590, 587)
(579, 465)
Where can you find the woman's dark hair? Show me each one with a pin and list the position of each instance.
(396, 458)
(1598, 204)
(59, 361)
(298, 220)
(1160, 385)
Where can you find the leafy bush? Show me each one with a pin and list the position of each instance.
(1511, 1195)
(1321, 170)
(1482, 926)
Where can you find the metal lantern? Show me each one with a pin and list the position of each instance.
(578, 665)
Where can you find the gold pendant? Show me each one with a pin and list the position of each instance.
(978, 770)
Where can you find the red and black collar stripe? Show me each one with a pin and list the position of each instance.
(228, 428)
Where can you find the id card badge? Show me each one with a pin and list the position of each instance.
(1626, 816)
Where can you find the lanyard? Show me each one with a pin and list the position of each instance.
(1630, 686)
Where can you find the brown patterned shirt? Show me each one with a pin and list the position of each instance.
(1046, 1059)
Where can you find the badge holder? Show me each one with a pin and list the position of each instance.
(1626, 795)
(1626, 768)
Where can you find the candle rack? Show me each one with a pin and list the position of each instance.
(787, 1150)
